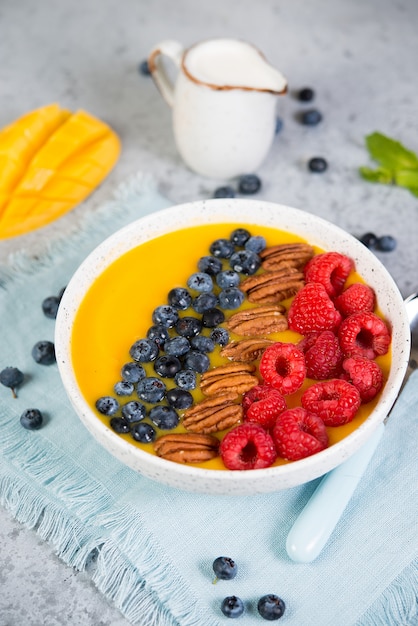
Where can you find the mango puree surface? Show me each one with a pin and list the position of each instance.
(117, 310)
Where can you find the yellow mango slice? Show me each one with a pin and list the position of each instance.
(51, 160)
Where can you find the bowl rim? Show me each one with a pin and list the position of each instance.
(206, 212)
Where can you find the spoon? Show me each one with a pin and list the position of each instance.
(312, 529)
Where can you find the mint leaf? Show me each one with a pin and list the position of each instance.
(379, 175)
(407, 178)
(390, 153)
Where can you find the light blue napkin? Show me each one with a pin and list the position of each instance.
(149, 548)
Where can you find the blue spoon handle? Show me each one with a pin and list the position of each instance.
(316, 522)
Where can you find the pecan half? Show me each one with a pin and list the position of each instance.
(213, 414)
(187, 447)
(233, 377)
(246, 350)
(288, 254)
(262, 320)
(272, 287)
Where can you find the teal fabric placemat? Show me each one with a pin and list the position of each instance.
(149, 548)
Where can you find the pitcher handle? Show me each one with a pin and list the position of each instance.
(172, 50)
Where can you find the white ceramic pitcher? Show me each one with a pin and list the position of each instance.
(223, 102)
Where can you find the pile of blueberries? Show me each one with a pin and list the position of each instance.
(178, 344)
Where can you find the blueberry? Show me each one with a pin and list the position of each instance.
(50, 306)
(143, 432)
(231, 298)
(151, 389)
(239, 236)
(177, 346)
(228, 278)
(165, 315)
(386, 243)
(369, 240)
(200, 281)
(245, 262)
(159, 334)
(31, 419)
(119, 425)
(317, 165)
(144, 350)
(188, 326)
(196, 361)
(205, 301)
(167, 366)
(11, 377)
(124, 388)
(225, 568)
(165, 417)
(222, 248)
(133, 411)
(179, 398)
(106, 405)
(143, 68)
(279, 125)
(232, 607)
(202, 344)
(210, 265)
(44, 352)
(132, 372)
(220, 336)
(186, 379)
(271, 607)
(249, 184)
(306, 94)
(256, 244)
(179, 298)
(311, 117)
(224, 192)
(212, 317)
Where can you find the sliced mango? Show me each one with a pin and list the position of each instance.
(51, 160)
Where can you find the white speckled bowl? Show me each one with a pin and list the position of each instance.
(316, 231)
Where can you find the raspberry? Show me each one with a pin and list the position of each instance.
(364, 374)
(298, 433)
(282, 366)
(335, 401)
(323, 356)
(247, 446)
(364, 334)
(312, 310)
(262, 404)
(331, 269)
(356, 298)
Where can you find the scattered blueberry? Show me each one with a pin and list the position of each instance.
(279, 125)
(159, 334)
(220, 336)
(232, 607)
(228, 278)
(179, 298)
(200, 281)
(120, 425)
(222, 248)
(132, 372)
(133, 411)
(306, 94)
(188, 326)
(50, 306)
(256, 244)
(179, 398)
(61, 293)
(165, 315)
(143, 432)
(386, 243)
(202, 344)
(231, 298)
(11, 377)
(167, 366)
(151, 389)
(144, 68)
(106, 405)
(144, 350)
(369, 240)
(271, 607)
(224, 192)
(245, 262)
(44, 352)
(213, 317)
(239, 236)
(249, 184)
(186, 379)
(196, 361)
(317, 165)
(165, 417)
(177, 346)
(124, 388)
(311, 117)
(205, 301)
(210, 265)
(225, 568)
(31, 419)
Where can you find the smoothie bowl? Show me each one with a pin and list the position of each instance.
(232, 346)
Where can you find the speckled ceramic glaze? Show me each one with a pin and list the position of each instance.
(316, 231)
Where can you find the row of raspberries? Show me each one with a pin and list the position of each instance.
(342, 336)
